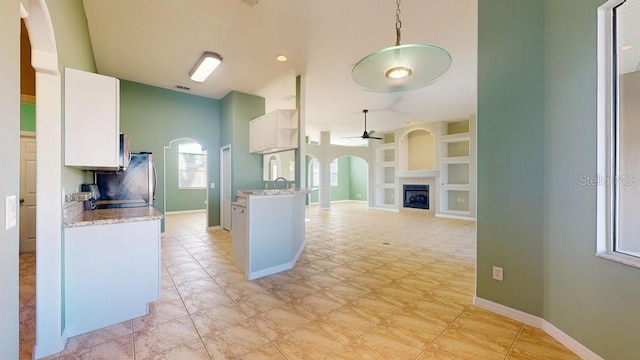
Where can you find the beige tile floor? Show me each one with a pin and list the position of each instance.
(369, 285)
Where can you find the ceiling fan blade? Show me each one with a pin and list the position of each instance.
(371, 132)
(374, 137)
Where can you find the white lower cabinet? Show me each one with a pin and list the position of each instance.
(111, 273)
(239, 241)
(268, 237)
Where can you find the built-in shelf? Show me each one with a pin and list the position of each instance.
(385, 174)
(418, 174)
(455, 160)
(456, 195)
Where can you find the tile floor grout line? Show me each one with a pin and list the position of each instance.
(443, 331)
(514, 341)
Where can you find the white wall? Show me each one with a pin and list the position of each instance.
(9, 153)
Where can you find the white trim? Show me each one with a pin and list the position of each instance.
(42, 350)
(222, 185)
(459, 217)
(605, 151)
(216, 227)
(566, 340)
(185, 212)
(508, 312)
(620, 258)
(276, 269)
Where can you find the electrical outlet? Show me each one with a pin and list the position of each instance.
(498, 273)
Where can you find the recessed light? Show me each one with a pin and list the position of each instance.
(282, 58)
(626, 47)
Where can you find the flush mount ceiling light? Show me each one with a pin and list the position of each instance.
(205, 66)
(401, 67)
(282, 58)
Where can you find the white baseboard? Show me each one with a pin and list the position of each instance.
(217, 227)
(185, 212)
(43, 350)
(276, 269)
(566, 340)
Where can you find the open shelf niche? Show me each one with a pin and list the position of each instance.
(457, 144)
(385, 173)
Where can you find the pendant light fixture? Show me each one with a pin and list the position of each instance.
(401, 67)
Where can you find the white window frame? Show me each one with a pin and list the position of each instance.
(333, 172)
(181, 170)
(607, 115)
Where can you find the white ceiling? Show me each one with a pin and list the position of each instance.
(157, 42)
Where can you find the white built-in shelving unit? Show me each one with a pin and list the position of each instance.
(385, 174)
(457, 168)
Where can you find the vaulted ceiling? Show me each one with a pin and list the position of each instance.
(157, 42)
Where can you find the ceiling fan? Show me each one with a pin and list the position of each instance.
(365, 134)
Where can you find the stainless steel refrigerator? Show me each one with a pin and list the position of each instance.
(134, 187)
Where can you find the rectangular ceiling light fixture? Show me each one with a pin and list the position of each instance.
(205, 66)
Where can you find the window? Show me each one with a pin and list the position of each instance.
(618, 179)
(333, 170)
(192, 166)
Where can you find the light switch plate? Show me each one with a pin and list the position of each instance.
(213, 185)
(11, 211)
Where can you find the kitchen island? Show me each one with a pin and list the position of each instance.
(267, 230)
(111, 265)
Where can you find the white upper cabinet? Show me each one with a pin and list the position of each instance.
(92, 120)
(273, 132)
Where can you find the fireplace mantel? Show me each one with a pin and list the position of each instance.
(418, 174)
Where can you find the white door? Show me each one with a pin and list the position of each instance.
(27, 193)
(225, 187)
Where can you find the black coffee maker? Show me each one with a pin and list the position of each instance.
(92, 203)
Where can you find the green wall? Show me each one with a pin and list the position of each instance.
(359, 179)
(352, 180)
(153, 117)
(237, 110)
(592, 299)
(537, 123)
(181, 199)
(511, 117)
(27, 117)
(341, 192)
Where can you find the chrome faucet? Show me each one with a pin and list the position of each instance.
(275, 182)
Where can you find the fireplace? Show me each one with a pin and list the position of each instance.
(416, 196)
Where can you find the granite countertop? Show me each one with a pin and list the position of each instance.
(108, 216)
(269, 192)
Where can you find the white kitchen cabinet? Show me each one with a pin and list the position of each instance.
(239, 240)
(273, 132)
(111, 273)
(92, 121)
